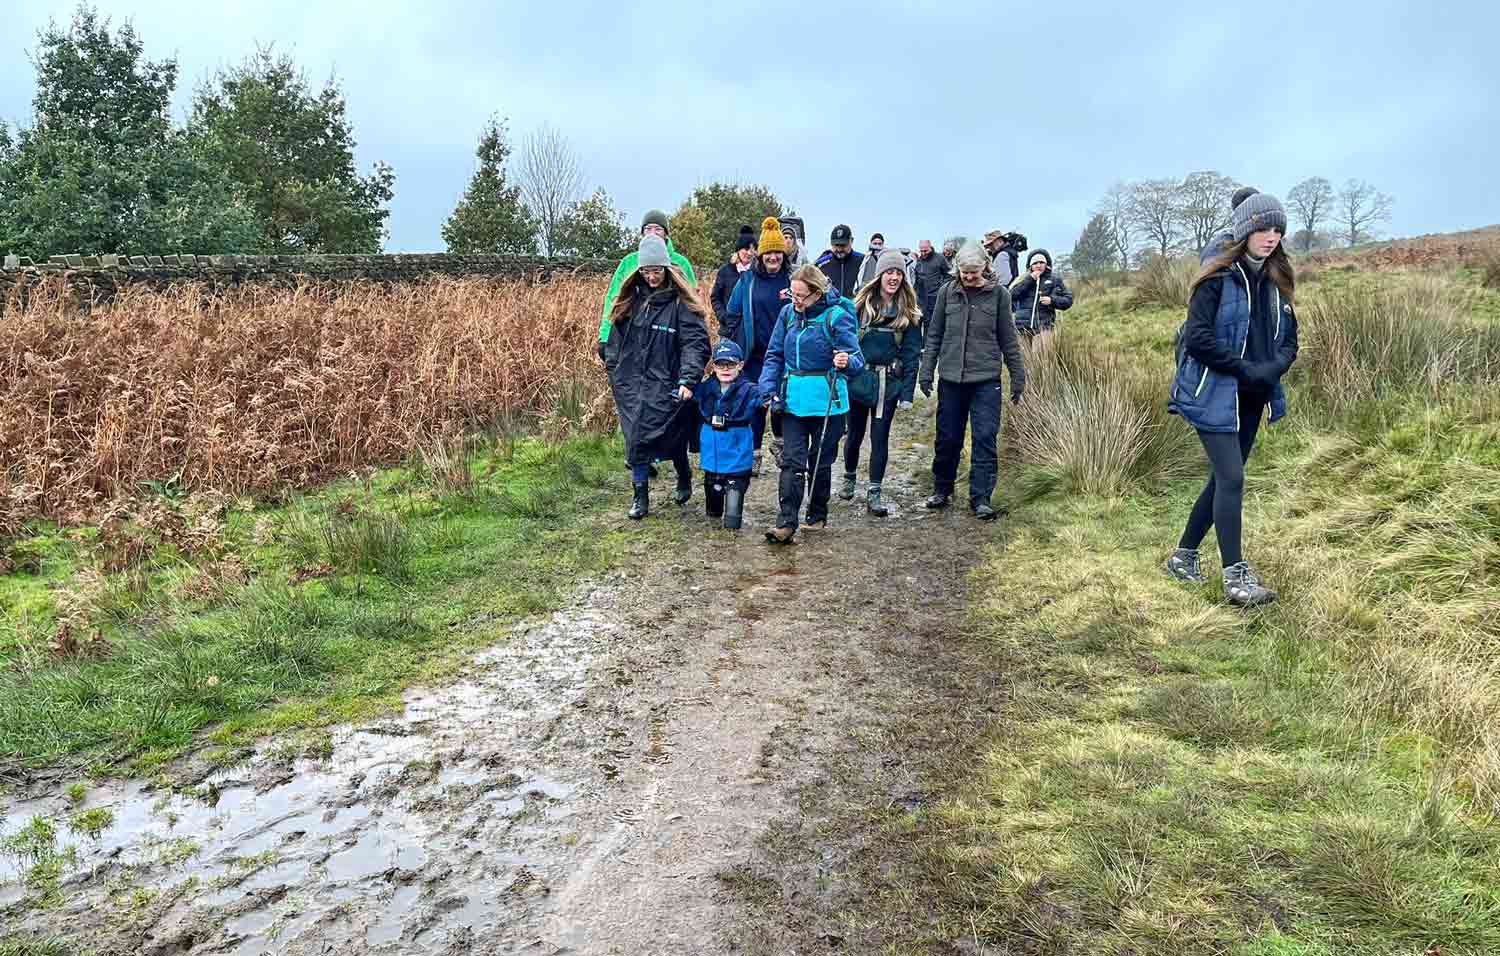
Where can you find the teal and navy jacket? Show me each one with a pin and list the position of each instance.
(806, 341)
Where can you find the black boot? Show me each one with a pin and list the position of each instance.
(713, 498)
(734, 507)
(641, 506)
(684, 491)
(790, 488)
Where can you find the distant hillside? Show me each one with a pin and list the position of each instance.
(1456, 248)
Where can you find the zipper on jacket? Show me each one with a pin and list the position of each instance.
(1245, 342)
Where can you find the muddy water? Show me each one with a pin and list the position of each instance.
(585, 788)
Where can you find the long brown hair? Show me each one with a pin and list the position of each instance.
(626, 300)
(869, 302)
(1278, 267)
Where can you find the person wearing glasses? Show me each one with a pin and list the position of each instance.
(751, 312)
(727, 403)
(655, 353)
(814, 345)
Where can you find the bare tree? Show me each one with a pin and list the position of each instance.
(1312, 202)
(1203, 205)
(1156, 210)
(1115, 208)
(1360, 207)
(551, 179)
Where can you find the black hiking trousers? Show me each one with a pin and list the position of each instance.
(803, 436)
(975, 407)
(1221, 503)
(880, 438)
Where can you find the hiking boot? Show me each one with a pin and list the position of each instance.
(939, 501)
(1184, 566)
(984, 511)
(683, 493)
(1242, 587)
(755, 466)
(734, 508)
(815, 524)
(641, 506)
(846, 490)
(780, 535)
(874, 504)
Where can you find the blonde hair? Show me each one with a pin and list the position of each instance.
(869, 304)
(812, 277)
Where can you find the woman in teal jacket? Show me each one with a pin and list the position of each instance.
(814, 344)
(890, 338)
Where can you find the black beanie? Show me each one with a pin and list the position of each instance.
(746, 239)
(1240, 195)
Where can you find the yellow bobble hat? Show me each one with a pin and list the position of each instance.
(771, 239)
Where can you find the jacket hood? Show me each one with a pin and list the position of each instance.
(1046, 257)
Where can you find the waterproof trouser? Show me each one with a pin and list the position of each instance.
(804, 437)
(880, 438)
(1220, 504)
(974, 406)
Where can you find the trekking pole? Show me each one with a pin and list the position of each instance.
(833, 392)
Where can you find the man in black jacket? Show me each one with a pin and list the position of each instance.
(970, 332)
(932, 272)
(841, 263)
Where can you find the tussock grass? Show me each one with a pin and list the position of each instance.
(1316, 777)
(1164, 282)
(1413, 337)
(1094, 421)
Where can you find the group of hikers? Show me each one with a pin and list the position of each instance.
(826, 351)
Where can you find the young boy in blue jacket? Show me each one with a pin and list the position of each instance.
(727, 404)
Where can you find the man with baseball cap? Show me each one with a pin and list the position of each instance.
(841, 264)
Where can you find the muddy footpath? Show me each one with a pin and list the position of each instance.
(699, 755)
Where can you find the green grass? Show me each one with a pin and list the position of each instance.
(1171, 775)
(315, 611)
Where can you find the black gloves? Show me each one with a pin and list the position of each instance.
(1262, 375)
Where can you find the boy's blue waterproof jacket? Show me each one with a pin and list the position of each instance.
(729, 450)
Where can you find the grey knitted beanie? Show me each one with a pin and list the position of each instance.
(1257, 212)
(889, 259)
(658, 217)
(653, 252)
(1240, 195)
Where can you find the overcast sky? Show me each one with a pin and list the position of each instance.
(913, 119)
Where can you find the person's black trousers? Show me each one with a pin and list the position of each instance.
(860, 417)
(1220, 504)
(803, 436)
(975, 406)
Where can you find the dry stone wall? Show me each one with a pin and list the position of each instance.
(98, 278)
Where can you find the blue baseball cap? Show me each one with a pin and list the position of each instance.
(728, 350)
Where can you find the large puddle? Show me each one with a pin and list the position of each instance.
(407, 833)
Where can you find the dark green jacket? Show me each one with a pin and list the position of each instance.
(969, 335)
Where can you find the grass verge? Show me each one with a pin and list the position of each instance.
(121, 643)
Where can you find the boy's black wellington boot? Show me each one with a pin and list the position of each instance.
(734, 508)
(683, 493)
(641, 506)
(713, 498)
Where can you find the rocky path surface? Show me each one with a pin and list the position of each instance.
(695, 757)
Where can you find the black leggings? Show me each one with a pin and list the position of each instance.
(1221, 502)
(880, 438)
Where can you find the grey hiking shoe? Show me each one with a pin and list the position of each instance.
(846, 490)
(1243, 588)
(1184, 566)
